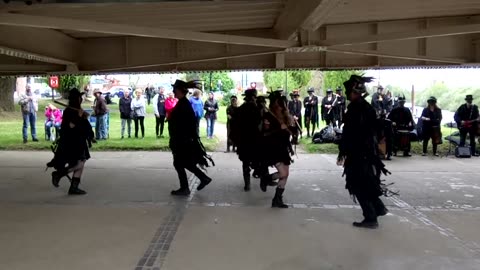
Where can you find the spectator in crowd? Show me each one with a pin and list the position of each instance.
(53, 119)
(29, 104)
(100, 110)
(149, 93)
(160, 112)
(170, 104)
(126, 112)
(211, 108)
(138, 107)
(197, 105)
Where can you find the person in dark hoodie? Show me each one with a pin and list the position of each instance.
(197, 106)
(187, 149)
(126, 113)
(160, 112)
(211, 108)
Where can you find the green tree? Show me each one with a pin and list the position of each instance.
(211, 81)
(334, 79)
(286, 80)
(7, 88)
(67, 82)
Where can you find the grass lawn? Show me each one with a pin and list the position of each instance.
(11, 132)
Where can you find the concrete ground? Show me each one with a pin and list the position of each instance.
(129, 221)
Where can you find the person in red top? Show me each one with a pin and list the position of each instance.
(170, 103)
(53, 119)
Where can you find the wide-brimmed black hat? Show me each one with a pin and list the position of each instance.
(74, 93)
(401, 99)
(339, 89)
(357, 84)
(469, 97)
(179, 84)
(310, 90)
(380, 87)
(329, 90)
(250, 93)
(432, 99)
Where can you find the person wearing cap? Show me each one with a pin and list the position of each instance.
(340, 106)
(328, 108)
(187, 149)
(76, 137)
(402, 122)
(431, 120)
(100, 110)
(467, 117)
(246, 134)
(311, 111)
(377, 100)
(276, 144)
(358, 155)
(231, 109)
(295, 110)
(29, 105)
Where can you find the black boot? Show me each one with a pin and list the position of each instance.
(57, 176)
(264, 180)
(181, 192)
(246, 179)
(366, 224)
(74, 190)
(278, 199)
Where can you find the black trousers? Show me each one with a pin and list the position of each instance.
(182, 163)
(137, 120)
(371, 207)
(160, 124)
(463, 137)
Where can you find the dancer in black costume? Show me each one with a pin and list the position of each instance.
(358, 153)
(187, 149)
(76, 136)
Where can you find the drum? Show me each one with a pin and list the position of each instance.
(436, 135)
(403, 140)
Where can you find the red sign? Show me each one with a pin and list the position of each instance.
(53, 82)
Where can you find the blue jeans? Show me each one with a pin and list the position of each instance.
(48, 126)
(101, 127)
(210, 126)
(29, 118)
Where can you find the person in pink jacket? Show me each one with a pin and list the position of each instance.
(170, 103)
(53, 119)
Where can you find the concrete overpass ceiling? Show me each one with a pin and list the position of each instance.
(165, 36)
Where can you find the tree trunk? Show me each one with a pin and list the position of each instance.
(7, 88)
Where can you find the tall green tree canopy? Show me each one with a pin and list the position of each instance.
(287, 80)
(334, 79)
(67, 82)
(211, 82)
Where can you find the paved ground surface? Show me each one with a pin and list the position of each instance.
(129, 221)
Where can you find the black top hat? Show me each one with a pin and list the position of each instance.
(469, 97)
(74, 93)
(339, 89)
(329, 90)
(401, 99)
(250, 93)
(310, 90)
(432, 99)
(380, 87)
(357, 83)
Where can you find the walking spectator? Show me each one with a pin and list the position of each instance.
(197, 105)
(160, 112)
(138, 108)
(170, 104)
(211, 108)
(100, 110)
(29, 104)
(149, 93)
(53, 119)
(126, 112)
